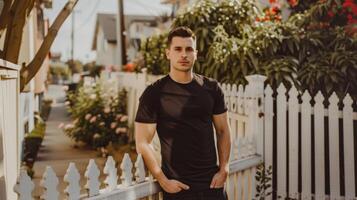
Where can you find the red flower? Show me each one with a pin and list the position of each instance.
(293, 3)
(330, 14)
(349, 17)
(272, 1)
(347, 3)
(274, 10)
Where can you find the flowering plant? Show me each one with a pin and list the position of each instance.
(99, 115)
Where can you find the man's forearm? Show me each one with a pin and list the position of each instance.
(150, 161)
(224, 148)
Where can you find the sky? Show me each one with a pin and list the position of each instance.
(85, 16)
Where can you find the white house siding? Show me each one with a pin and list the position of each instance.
(106, 52)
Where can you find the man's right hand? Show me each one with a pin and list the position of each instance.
(173, 186)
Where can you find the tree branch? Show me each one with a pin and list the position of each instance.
(27, 73)
(4, 15)
(14, 30)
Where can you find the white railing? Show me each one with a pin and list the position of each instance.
(310, 124)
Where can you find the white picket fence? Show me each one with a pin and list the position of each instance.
(281, 131)
(246, 151)
(132, 185)
(310, 125)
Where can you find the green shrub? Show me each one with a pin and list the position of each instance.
(309, 50)
(99, 115)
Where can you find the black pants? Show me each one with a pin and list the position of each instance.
(209, 194)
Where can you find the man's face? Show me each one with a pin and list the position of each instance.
(182, 53)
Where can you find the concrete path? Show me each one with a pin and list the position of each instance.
(57, 149)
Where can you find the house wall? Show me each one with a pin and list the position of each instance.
(106, 52)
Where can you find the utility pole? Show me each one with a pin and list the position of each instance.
(120, 34)
(72, 36)
(72, 32)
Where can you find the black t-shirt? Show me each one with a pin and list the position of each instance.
(183, 114)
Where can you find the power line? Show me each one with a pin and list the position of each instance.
(146, 7)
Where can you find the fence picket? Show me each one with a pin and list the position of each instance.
(127, 175)
(334, 147)
(253, 182)
(240, 178)
(49, 182)
(92, 174)
(268, 128)
(319, 130)
(228, 95)
(293, 142)
(234, 98)
(230, 186)
(246, 187)
(240, 100)
(348, 148)
(139, 169)
(281, 141)
(24, 186)
(72, 177)
(306, 146)
(111, 171)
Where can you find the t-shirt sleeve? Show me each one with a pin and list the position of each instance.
(219, 103)
(147, 110)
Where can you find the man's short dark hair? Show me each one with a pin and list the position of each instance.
(181, 31)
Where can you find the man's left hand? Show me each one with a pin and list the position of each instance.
(218, 179)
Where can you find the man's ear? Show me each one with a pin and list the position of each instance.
(167, 51)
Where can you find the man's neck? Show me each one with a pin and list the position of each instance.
(181, 77)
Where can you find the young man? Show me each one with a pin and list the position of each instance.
(181, 107)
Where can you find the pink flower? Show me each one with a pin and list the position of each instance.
(104, 150)
(107, 110)
(68, 126)
(121, 130)
(88, 116)
(118, 116)
(113, 125)
(61, 125)
(93, 119)
(117, 131)
(65, 88)
(124, 118)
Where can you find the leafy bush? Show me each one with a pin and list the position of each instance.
(153, 52)
(59, 71)
(313, 50)
(99, 115)
(32, 143)
(46, 108)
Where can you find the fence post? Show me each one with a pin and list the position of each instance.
(10, 140)
(255, 98)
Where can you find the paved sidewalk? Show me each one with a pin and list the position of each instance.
(57, 149)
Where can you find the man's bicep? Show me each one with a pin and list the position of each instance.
(220, 122)
(144, 132)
